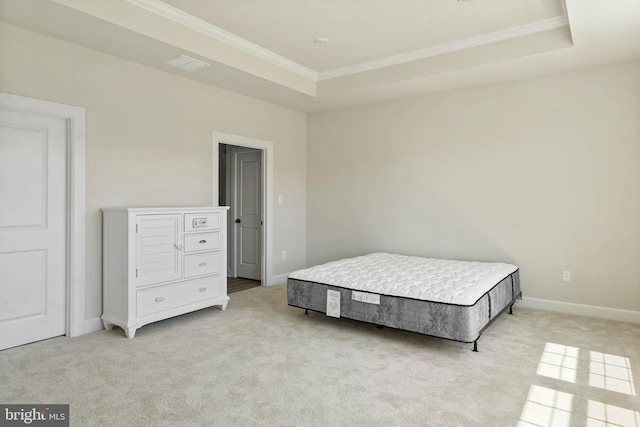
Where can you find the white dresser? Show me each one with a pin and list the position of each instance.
(162, 262)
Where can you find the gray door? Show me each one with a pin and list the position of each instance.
(248, 212)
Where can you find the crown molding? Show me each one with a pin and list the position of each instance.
(523, 30)
(176, 15)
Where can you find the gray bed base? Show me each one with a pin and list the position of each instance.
(464, 323)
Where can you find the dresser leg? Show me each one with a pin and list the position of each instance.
(131, 332)
(223, 307)
(107, 326)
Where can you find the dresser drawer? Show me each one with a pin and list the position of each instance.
(164, 297)
(202, 221)
(202, 241)
(199, 264)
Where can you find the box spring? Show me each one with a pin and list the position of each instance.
(444, 320)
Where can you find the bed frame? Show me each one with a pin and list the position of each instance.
(464, 323)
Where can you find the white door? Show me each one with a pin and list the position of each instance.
(248, 208)
(32, 227)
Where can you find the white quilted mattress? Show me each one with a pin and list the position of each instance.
(429, 279)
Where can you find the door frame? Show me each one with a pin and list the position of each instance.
(76, 324)
(266, 147)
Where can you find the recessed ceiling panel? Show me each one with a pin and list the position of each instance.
(363, 30)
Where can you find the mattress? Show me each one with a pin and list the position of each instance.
(444, 298)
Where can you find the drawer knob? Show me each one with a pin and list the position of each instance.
(202, 264)
(202, 241)
(159, 299)
(202, 289)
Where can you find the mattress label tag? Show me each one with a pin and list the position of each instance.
(333, 303)
(365, 297)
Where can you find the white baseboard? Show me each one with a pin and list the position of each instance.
(276, 280)
(629, 316)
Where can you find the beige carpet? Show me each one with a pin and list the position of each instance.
(264, 363)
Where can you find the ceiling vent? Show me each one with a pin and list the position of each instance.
(186, 63)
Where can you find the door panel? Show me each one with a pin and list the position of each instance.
(32, 227)
(27, 269)
(248, 170)
(22, 205)
(249, 254)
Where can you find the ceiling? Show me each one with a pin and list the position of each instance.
(376, 50)
(363, 30)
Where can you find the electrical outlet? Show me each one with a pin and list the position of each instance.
(280, 199)
(566, 276)
(284, 254)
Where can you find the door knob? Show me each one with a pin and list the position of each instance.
(238, 220)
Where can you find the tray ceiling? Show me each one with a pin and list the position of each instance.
(377, 49)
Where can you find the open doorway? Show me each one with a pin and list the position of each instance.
(221, 173)
(240, 188)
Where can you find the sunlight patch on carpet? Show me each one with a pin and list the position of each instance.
(546, 407)
(611, 373)
(559, 362)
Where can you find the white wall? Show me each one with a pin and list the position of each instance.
(148, 136)
(542, 172)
